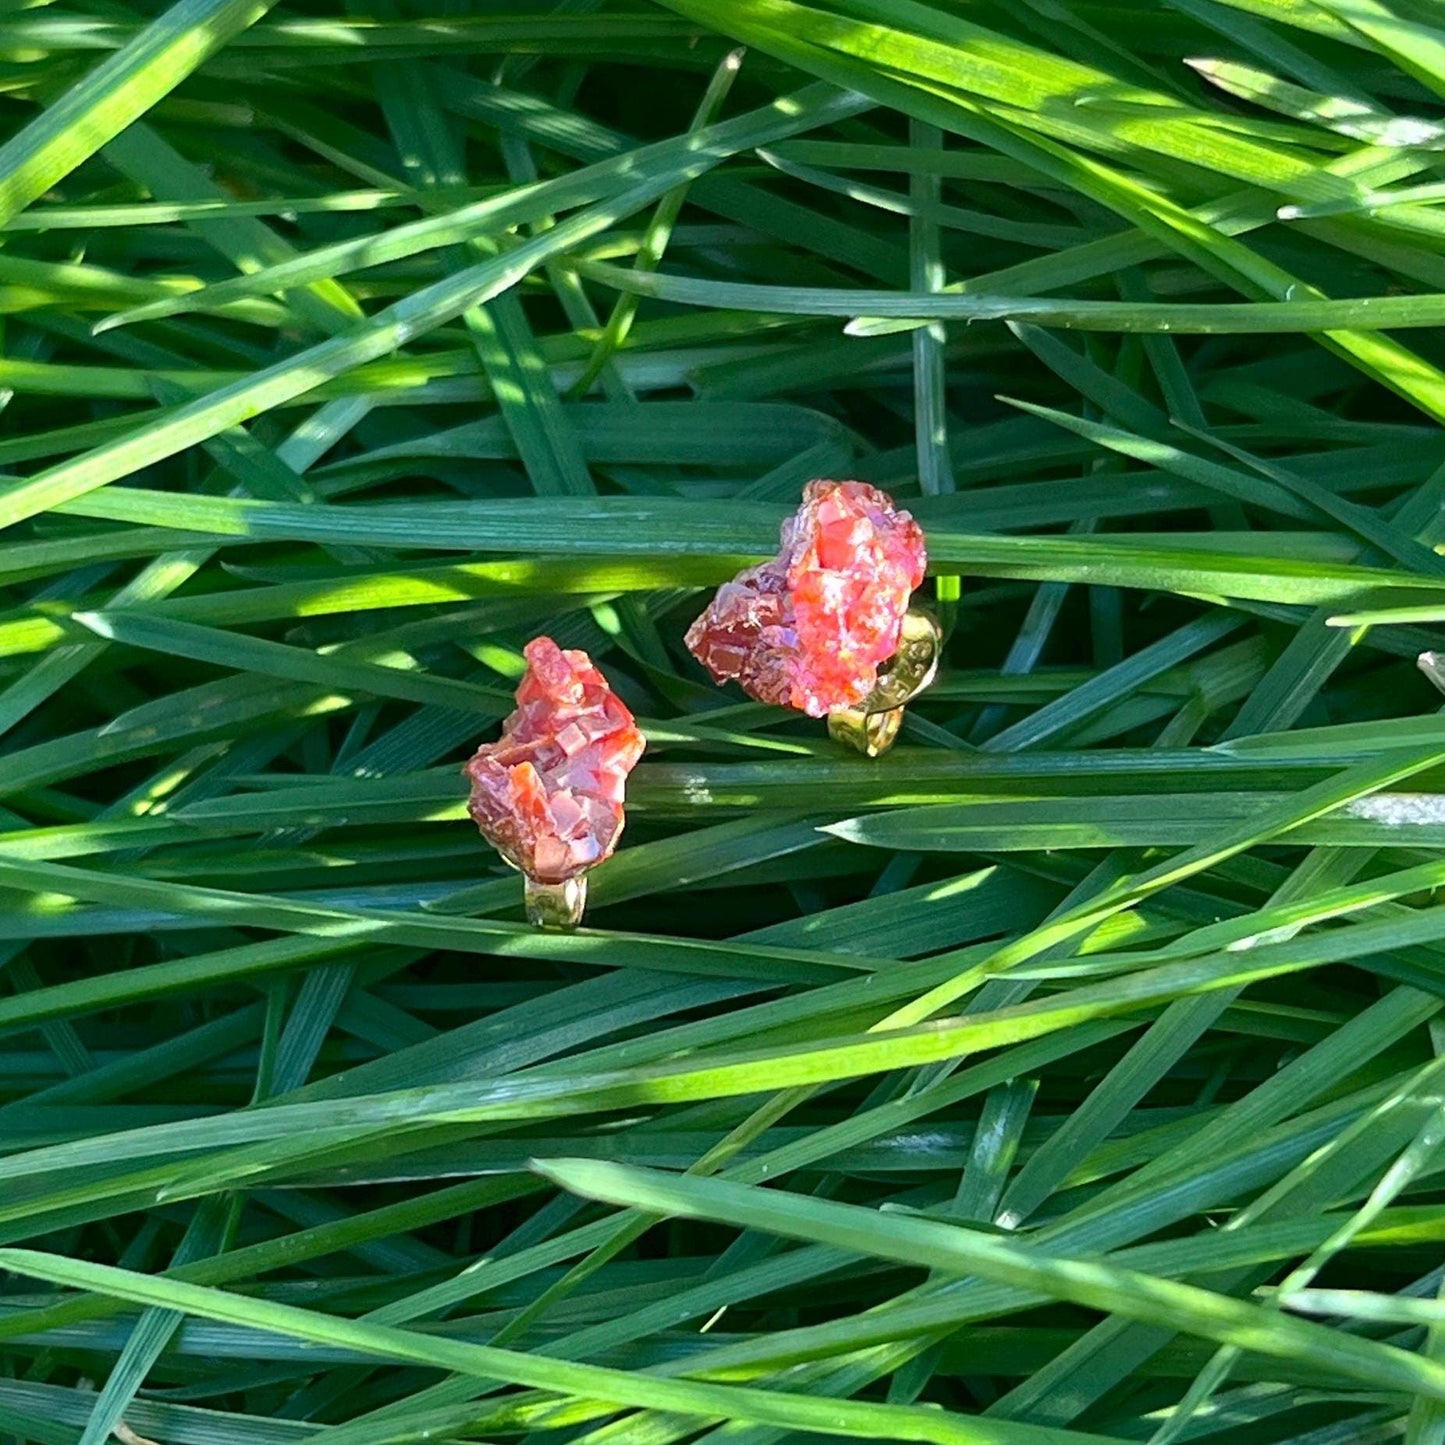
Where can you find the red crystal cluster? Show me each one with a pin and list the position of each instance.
(548, 793)
(809, 628)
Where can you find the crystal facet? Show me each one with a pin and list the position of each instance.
(548, 793)
(810, 628)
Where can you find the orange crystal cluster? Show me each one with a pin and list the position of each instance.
(548, 793)
(809, 628)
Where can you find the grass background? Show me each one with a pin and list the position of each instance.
(1072, 1073)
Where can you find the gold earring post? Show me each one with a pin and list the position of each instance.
(556, 907)
(873, 725)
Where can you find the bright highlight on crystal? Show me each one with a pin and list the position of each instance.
(810, 628)
(548, 793)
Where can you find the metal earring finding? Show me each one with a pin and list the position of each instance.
(872, 727)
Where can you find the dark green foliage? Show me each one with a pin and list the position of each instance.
(1071, 1074)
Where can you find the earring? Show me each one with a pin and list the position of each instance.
(548, 794)
(872, 726)
(825, 626)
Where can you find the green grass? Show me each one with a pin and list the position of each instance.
(1073, 1074)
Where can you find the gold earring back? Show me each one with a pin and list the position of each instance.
(872, 727)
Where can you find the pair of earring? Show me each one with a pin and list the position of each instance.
(825, 627)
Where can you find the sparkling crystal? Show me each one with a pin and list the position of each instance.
(809, 628)
(548, 793)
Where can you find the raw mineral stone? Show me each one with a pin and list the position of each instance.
(809, 628)
(548, 793)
